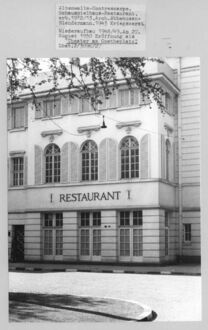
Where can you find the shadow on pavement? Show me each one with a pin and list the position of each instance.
(24, 306)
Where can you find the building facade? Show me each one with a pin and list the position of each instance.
(126, 193)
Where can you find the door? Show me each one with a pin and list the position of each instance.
(53, 236)
(130, 236)
(17, 253)
(90, 236)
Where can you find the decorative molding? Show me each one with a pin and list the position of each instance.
(128, 125)
(52, 134)
(17, 153)
(88, 129)
(168, 128)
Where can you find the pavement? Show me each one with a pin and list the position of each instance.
(24, 307)
(177, 269)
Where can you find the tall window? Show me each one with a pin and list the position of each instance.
(131, 233)
(90, 234)
(129, 158)
(167, 155)
(89, 161)
(52, 164)
(187, 232)
(52, 108)
(17, 171)
(18, 117)
(53, 234)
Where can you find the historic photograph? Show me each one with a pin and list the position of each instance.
(104, 189)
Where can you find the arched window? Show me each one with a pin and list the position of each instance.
(89, 161)
(52, 163)
(129, 158)
(167, 158)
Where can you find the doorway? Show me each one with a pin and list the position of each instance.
(17, 252)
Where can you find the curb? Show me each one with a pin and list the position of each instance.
(115, 271)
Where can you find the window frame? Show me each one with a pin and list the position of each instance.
(185, 233)
(14, 118)
(50, 164)
(126, 155)
(130, 92)
(89, 162)
(54, 102)
(19, 172)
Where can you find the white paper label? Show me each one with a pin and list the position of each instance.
(103, 27)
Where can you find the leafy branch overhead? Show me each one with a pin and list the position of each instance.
(93, 78)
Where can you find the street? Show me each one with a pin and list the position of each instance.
(172, 297)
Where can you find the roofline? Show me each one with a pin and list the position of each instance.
(154, 76)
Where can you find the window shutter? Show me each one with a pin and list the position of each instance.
(171, 167)
(65, 104)
(38, 164)
(39, 109)
(134, 96)
(74, 105)
(144, 157)
(26, 107)
(74, 162)
(174, 161)
(103, 160)
(9, 117)
(163, 156)
(112, 159)
(65, 162)
(25, 170)
(112, 100)
(144, 100)
(10, 172)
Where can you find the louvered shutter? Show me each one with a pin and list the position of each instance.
(171, 167)
(74, 162)
(144, 157)
(74, 104)
(26, 109)
(163, 157)
(38, 108)
(112, 159)
(38, 164)
(65, 163)
(65, 104)
(25, 169)
(9, 117)
(112, 100)
(103, 160)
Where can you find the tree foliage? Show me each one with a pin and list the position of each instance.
(93, 78)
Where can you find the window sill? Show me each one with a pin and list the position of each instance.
(187, 243)
(88, 113)
(21, 129)
(51, 118)
(130, 107)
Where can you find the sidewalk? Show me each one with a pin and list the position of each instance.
(179, 269)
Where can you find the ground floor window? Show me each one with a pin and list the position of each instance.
(130, 235)
(187, 232)
(90, 235)
(52, 235)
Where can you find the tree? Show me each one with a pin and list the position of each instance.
(92, 78)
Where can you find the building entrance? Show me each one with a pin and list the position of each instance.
(90, 236)
(17, 252)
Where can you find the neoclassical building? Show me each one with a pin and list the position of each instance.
(125, 193)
